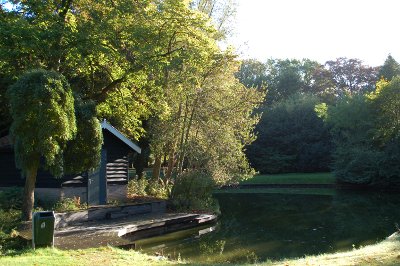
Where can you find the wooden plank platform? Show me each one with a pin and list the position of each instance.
(124, 231)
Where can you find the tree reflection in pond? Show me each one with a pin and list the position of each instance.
(257, 227)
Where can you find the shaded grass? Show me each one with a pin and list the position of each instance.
(298, 191)
(292, 178)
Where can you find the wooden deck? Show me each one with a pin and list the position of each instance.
(124, 231)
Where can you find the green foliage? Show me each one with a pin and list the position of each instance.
(42, 108)
(390, 69)
(11, 198)
(69, 204)
(386, 103)
(366, 135)
(209, 119)
(137, 187)
(83, 152)
(284, 78)
(291, 138)
(355, 157)
(144, 187)
(253, 74)
(192, 191)
(159, 189)
(9, 220)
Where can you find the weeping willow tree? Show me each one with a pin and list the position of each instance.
(51, 130)
(42, 109)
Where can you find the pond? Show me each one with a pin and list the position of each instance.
(268, 226)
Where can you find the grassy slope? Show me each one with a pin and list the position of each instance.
(386, 252)
(98, 256)
(294, 178)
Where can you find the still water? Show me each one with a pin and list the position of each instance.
(258, 227)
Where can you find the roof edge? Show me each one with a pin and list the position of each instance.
(115, 132)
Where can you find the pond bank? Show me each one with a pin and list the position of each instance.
(306, 186)
(383, 253)
(386, 252)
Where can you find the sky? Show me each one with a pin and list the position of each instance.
(320, 30)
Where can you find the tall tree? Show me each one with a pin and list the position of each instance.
(221, 12)
(366, 134)
(291, 138)
(351, 77)
(209, 119)
(253, 74)
(390, 69)
(107, 50)
(42, 108)
(282, 78)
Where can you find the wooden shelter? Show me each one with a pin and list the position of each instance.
(92, 187)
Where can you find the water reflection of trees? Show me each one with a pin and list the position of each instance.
(362, 218)
(282, 225)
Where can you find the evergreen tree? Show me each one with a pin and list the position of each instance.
(390, 69)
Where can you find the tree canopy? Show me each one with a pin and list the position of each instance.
(153, 69)
(366, 136)
(291, 138)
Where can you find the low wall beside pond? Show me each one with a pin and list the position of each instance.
(108, 212)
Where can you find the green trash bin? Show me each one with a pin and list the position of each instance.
(43, 229)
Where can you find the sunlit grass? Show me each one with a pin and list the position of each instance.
(386, 252)
(292, 178)
(98, 256)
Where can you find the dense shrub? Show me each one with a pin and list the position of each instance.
(149, 187)
(158, 188)
(11, 198)
(193, 190)
(137, 187)
(9, 220)
(69, 204)
(367, 137)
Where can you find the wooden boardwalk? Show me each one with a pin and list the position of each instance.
(124, 231)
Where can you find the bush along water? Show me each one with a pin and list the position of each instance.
(193, 191)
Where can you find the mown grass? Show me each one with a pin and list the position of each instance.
(98, 256)
(386, 252)
(292, 178)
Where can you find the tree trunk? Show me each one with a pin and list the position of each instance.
(157, 167)
(171, 162)
(29, 192)
(182, 137)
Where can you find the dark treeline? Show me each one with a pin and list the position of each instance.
(342, 116)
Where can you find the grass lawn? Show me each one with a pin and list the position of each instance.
(293, 178)
(298, 191)
(98, 256)
(386, 252)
